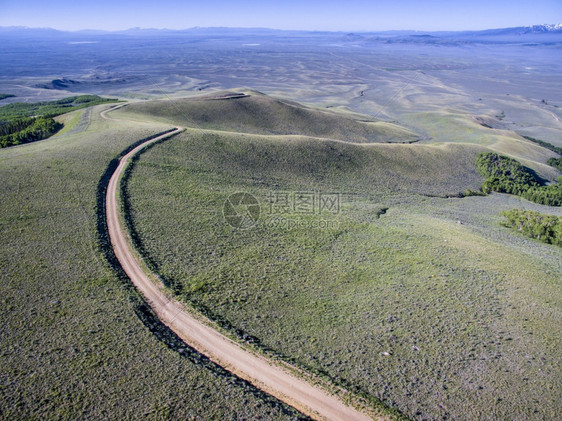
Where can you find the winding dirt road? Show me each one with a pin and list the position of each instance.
(267, 375)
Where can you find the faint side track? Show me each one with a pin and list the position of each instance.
(280, 381)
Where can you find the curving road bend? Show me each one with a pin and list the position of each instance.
(265, 374)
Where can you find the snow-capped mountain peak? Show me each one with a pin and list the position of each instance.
(545, 28)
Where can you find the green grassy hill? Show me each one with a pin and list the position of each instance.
(290, 161)
(420, 302)
(76, 341)
(260, 114)
(446, 126)
(405, 294)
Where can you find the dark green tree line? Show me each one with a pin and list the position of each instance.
(24, 122)
(546, 228)
(37, 129)
(506, 175)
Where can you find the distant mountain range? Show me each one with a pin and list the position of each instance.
(522, 30)
(532, 33)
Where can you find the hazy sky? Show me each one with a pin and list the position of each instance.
(342, 15)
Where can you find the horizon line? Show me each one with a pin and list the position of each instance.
(23, 27)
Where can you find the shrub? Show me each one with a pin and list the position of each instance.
(555, 162)
(506, 175)
(546, 228)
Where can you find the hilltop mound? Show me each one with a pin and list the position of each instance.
(254, 112)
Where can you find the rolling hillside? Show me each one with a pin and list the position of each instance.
(254, 112)
(407, 295)
(411, 300)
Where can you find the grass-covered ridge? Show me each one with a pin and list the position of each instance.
(76, 341)
(506, 175)
(260, 114)
(553, 162)
(544, 144)
(24, 122)
(545, 228)
(411, 309)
